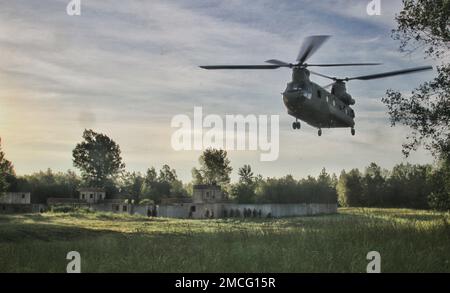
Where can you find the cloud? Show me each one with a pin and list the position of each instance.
(127, 67)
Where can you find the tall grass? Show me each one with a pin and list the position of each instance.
(408, 241)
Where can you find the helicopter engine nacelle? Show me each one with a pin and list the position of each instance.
(340, 91)
(347, 99)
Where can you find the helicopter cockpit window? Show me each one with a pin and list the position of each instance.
(308, 94)
(307, 91)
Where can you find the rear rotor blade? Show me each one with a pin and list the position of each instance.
(322, 75)
(212, 67)
(390, 73)
(341, 64)
(328, 85)
(310, 46)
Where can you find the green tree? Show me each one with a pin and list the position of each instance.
(246, 174)
(439, 197)
(244, 190)
(407, 186)
(308, 190)
(326, 188)
(350, 189)
(98, 157)
(424, 24)
(243, 193)
(279, 190)
(45, 184)
(150, 180)
(133, 183)
(214, 168)
(165, 184)
(7, 174)
(373, 186)
(166, 174)
(197, 177)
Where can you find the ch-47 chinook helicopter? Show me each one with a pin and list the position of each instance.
(309, 102)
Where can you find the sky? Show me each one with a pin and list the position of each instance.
(126, 68)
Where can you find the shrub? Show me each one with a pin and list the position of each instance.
(69, 209)
(439, 201)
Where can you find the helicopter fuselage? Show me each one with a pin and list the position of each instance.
(311, 103)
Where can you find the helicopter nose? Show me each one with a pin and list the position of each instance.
(294, 95)
(292, 98)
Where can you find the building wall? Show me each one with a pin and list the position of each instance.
(174, 211)
(211, 195)
(8, 208)
(113, 207)
(202, 210)
(38, 208)
(216, 210)
(96, 196)
(142, 210)
(120, 207)
(284, 210)
(15, 198)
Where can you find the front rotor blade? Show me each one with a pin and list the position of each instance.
(212, 67)
(310, 46)
(342, 64)
(278, 62)
(390, 73)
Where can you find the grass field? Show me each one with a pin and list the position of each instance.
(408, 241)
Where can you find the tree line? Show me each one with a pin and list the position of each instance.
(406, 185)
(100, 163)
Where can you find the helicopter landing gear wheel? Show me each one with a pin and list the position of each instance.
(319, 133)
(352, 131)
(296, 125)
